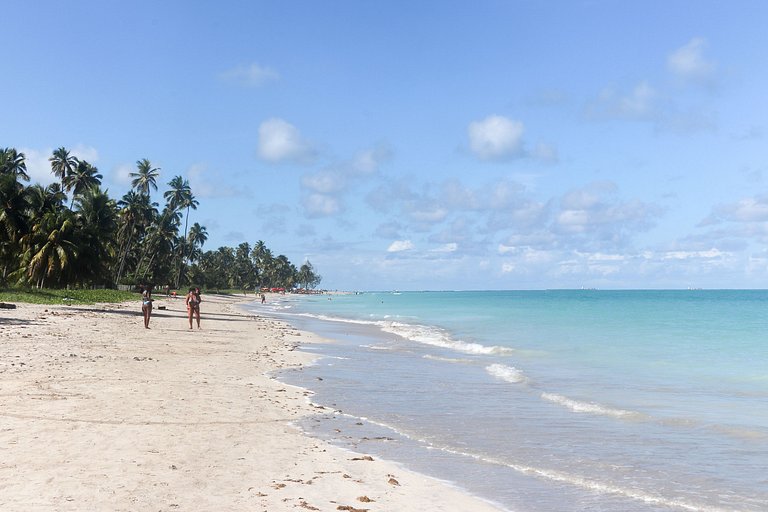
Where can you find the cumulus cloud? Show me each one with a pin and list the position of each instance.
(637, 104)
(496, 138)
(595, 215)
(369, 160)
(335, 181)
(280, 141)
(321, 205)
(446, 248)
(400, 246)
(687, 255)
(325, 181)
(251, 75)
(689, 63)
(749, 209)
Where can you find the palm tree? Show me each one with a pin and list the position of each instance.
(135, 215)
(257, 255)
(178, 197)
(14, 163)
(13, 222)
(84, 176)
(197, 235)
(307, 277)
(146, 176)
(162, 242)
(97, 226)
(44, 200)
(62, 164)
(50, 248)
(266, 266)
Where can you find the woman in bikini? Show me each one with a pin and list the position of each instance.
(146, 305)
(193, 306)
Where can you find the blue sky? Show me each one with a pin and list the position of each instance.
(423, 145)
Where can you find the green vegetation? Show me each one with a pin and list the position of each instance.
(36, 296)
(97, 242)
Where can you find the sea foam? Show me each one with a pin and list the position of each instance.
(507, 373)
(588, 407)
(431, 335)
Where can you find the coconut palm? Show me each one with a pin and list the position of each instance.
(13, 222)
(14, 163)
(197, 235)
(257, 255)
(180, 196)
(161, 242)
(307, 276)
(84, 177)
(135, 215)
(145, 177)
(97, 227)
(62, 164)
(50, 249)
(42, 200)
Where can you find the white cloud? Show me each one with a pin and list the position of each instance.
(324, 182)
(637, 104)
(687, 255)
(689, 63)
(496, 138)
(252, 75)
(321, 205)
(280, 141)
(599, 256)
(400, 246)
(368, 161)
(750, 209)
(446, 248)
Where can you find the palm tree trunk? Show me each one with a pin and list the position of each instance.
(183, 246)
(125, 255)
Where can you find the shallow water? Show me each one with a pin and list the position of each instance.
(552, 400)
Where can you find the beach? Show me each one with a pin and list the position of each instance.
(99, 413)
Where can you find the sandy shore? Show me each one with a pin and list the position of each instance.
(98, 413)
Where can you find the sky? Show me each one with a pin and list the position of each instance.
(431, 145)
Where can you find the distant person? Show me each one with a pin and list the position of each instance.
(193, 305)
(146, 304)
(263, 298)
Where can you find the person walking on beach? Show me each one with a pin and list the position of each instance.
(146, 304)
(263, 298)
(193, 305)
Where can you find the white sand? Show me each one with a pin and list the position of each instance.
(98, 413)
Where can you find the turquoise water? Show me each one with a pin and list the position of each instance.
(552, 400)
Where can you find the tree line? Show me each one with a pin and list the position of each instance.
(70, 233)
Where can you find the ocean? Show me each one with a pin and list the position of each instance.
(550, 401)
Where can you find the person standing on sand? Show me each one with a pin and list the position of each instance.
(146, 304)
(193, 305)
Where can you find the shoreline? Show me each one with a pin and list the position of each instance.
(102, 414)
